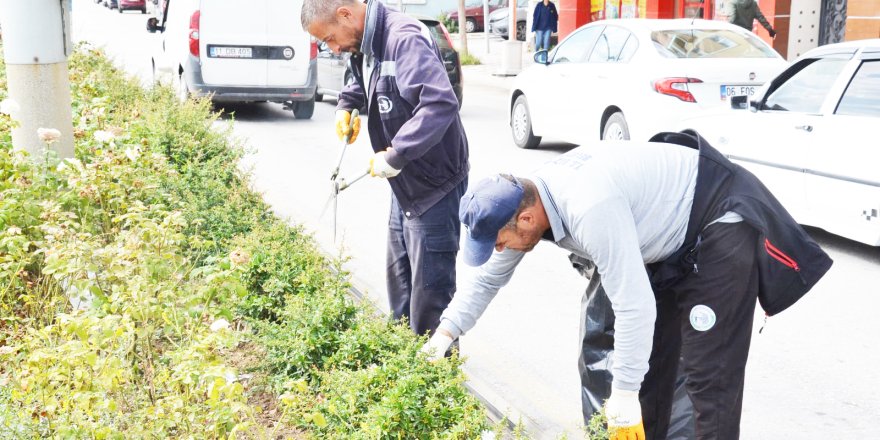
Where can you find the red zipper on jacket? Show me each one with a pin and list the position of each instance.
(780, 256)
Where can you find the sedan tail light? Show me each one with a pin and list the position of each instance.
(194, 33)
(677, 87)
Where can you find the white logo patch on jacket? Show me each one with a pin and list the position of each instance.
(385, 105)
(702, 318)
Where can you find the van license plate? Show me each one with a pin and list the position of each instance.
(731, 91)
(232, 52)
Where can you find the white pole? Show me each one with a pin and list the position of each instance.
(486, 22)
(36, 44)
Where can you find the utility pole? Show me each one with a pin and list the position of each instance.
(486, 22)
(511, 56)
(36, 44)
(462, 27)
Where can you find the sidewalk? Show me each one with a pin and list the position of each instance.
(487, 73)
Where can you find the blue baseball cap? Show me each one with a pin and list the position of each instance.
(484, 210)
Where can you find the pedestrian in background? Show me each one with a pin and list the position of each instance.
(418, 141)
(712, 238)
(743, 14)
(544, 21)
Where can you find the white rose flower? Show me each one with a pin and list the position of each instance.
(9, 106)
(220, 324)
(132, 154)
(103, 136)
(48, 135)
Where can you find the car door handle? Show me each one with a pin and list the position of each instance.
(807, 128)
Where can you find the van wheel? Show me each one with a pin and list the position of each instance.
(119, 10)
(182, 89)
(615, 128)
(303, 109)
(521, 125)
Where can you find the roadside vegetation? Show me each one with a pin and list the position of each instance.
(147, 292)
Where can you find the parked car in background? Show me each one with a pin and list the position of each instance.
(811, 136)
(110, 4)
(334, 72)
(474, 14)
(217, 49)
(632, 78)
(499, 20)
(137, 5)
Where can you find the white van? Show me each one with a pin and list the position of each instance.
(236, 51)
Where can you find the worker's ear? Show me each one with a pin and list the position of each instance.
(342, 13)
(525, 219)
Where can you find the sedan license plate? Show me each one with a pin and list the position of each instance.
(231, 52)
(731, 91)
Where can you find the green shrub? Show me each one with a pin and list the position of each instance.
(451, 25)
(469, 60)
(128, 272)
(279, 260)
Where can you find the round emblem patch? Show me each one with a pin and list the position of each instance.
(288, 53)
(384, 104)
(702, 318)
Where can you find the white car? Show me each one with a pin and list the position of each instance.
(231, 53)
(633, 78)
(811, 135)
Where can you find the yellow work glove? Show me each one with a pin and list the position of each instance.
(345, 127)
(624, 415)
(379, 167)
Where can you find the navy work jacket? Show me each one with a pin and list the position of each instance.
(401, 79)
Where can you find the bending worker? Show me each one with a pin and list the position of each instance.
(711, 236)
(418, 140)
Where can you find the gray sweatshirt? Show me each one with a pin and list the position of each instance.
(621, 205)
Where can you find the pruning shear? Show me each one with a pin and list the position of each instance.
(337, 186)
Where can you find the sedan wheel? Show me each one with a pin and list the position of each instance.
(521, 125)
(470, 25)
(616, 128)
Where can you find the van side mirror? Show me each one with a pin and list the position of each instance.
(153, 25)
(541, 57)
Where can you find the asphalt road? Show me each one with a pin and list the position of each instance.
(809, 374)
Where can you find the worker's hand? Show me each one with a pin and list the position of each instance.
(624, 415)
(772, 33)
(345, 127)
(437, 346)
(379, 167)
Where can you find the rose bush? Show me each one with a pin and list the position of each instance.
(146, 292)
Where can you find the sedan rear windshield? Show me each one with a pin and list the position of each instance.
(437, 34)
(709, 43)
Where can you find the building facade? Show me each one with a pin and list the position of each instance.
(800, 24)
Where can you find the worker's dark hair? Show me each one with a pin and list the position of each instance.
(530, 196)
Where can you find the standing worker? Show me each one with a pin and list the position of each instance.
(418, 140)
(711, 235)
(544, 22)
(743, 14)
